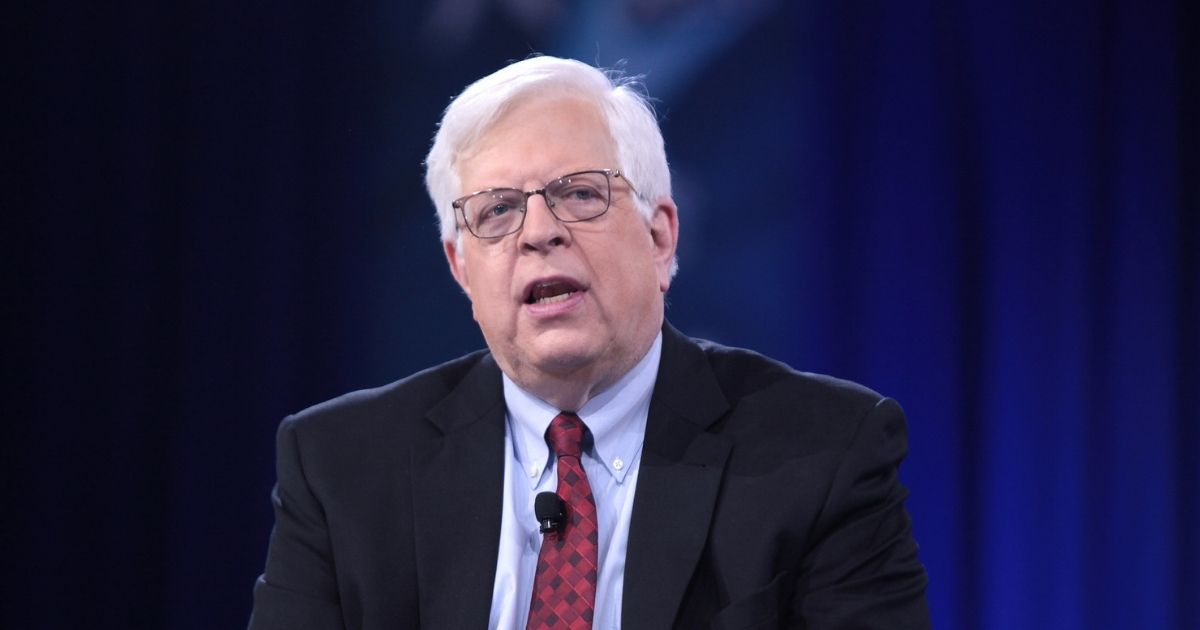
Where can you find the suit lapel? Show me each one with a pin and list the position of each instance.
(457, 494)
(677, 486)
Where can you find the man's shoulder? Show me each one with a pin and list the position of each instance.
(741, 370)
(775, 413)
(747, 377)
(391, 404)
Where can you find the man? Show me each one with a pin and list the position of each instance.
(692, 485)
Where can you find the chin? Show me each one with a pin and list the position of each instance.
(564, 360)
(563, 353)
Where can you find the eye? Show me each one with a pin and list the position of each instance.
(494, 210)
(581, 193)
(498, 205)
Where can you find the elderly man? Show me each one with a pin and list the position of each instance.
(593, 468)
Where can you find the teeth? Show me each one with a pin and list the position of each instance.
(554, 298)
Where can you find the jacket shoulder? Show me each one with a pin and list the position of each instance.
(394, 405)
(744, 373)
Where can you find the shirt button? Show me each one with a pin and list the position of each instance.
(618, 464)
(533, 471)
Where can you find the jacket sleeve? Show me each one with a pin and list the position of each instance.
(298, 589)
(863, 572)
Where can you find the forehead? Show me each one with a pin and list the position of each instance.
(538, 139)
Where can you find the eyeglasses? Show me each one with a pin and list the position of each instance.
(497, 212)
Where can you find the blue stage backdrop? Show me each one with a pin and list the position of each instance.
(989, 211)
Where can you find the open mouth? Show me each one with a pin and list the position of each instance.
(551, 291)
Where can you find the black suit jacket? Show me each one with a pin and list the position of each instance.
(766, 498)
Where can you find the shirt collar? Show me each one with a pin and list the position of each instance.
(616, 418)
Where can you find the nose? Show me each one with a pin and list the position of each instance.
(542, 230)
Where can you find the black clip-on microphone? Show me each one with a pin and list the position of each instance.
(550, 511)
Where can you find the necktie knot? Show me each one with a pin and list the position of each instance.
(565, 435)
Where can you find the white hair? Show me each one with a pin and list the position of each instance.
(627, 111)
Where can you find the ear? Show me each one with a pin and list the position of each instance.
(664, 233)
(458, 266)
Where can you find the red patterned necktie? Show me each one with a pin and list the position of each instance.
(564, 588)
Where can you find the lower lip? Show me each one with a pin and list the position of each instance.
(555, 309)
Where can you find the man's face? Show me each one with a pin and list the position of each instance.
(562, 305)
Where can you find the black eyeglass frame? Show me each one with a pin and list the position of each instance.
(460, 203)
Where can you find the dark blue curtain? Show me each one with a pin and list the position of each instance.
(989, 211)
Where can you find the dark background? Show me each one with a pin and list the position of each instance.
(990, 211)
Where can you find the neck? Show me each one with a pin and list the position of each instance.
(569, 388)
(565, 394)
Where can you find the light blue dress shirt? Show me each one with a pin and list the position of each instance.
(617, 420)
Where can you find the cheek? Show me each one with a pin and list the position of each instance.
(492, 301)
(489, 294)
(638, 276)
